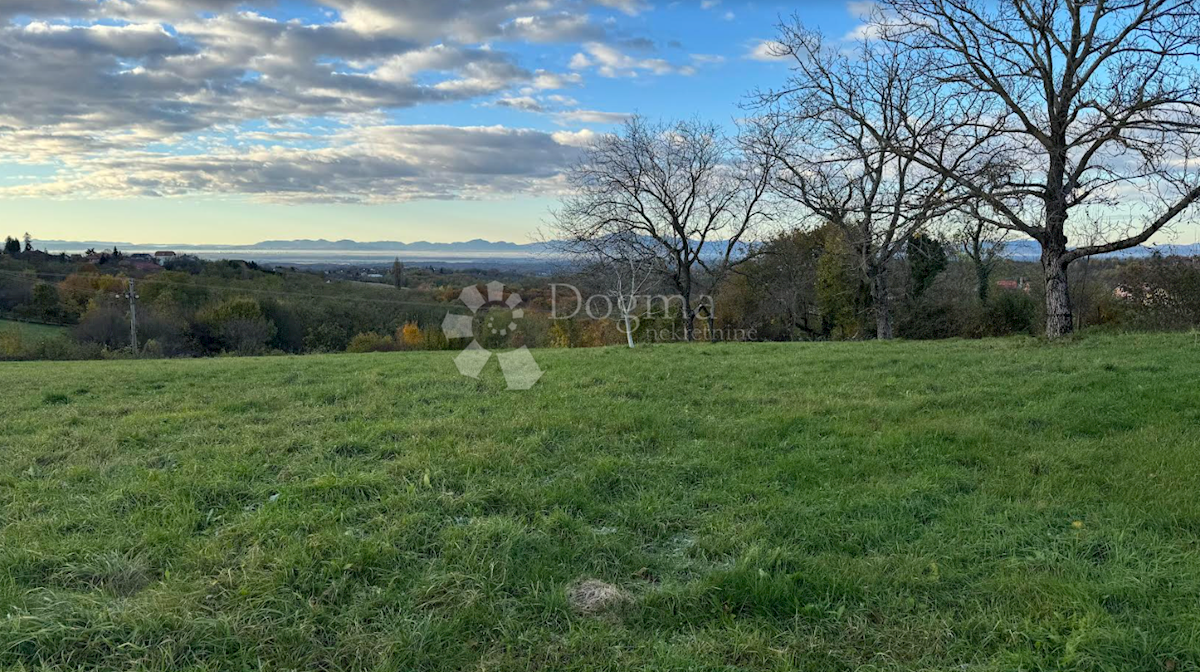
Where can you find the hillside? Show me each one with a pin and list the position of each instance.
(32, 330)
(986, 505)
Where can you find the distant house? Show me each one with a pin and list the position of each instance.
(1018, 285)
(164, 256)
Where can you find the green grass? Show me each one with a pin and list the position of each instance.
(994, 505)
(31, 330)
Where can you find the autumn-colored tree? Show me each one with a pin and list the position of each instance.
(409, 336)
(78, 289)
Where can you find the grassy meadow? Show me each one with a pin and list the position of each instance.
(986, 505)
(32, 330)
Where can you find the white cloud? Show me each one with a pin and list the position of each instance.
(765, 51)
(631, 7)
(148, 79)
(377, 164)
(576, 139)
(560, 27)
(523, 103)
(570, 117)
(294, 109)
(543, 80)
(861, 9)
(580, 62)
(611, 62)
(563, 110)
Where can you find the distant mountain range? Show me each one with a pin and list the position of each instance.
(1029, 250)
(324, 252)
(351, 251)
(476, 245)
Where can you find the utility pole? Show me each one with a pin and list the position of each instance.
(133, 335)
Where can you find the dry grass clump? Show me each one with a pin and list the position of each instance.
(593, 597)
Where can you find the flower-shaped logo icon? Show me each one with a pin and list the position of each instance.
(520, 370)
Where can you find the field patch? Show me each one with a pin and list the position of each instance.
(988, 505)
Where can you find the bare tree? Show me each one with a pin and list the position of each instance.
(619, 263)
(844, 129)
(753, 176)
(1090, 107)
(680, 194)
(981, 241)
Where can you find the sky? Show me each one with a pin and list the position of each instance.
(221, 121)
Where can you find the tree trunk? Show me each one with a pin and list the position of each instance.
(712, 327)
(883, 305)
(983, 280)
(689, 321)
(1059, 322)
(628, 331)
(689, 314)
(1058, 299)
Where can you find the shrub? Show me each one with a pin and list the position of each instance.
(562, 334)
(106, 322)
(1160, 293)
(15, 346)
(432, 338)
(1007, 313)
(410, 336)
(326, 337)
(236, 325)
(11, 344)
(152, 349)
(929, 320)
(371, 342)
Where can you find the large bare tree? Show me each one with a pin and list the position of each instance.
(844, 129)
(1090, 108)
(680, 194)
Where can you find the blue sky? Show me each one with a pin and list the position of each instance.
(221, 121)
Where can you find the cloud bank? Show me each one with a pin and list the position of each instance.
(129, 98)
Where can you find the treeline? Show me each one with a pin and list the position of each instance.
(196, 308)
(804, 285)
(799, 285)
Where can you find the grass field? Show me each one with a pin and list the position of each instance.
(994, 505)
(32, 330)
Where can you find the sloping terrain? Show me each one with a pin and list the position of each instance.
(990, 505)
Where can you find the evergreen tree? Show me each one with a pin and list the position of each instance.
(398, 273)
(926, 259)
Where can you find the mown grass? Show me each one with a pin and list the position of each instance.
(994, 505)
